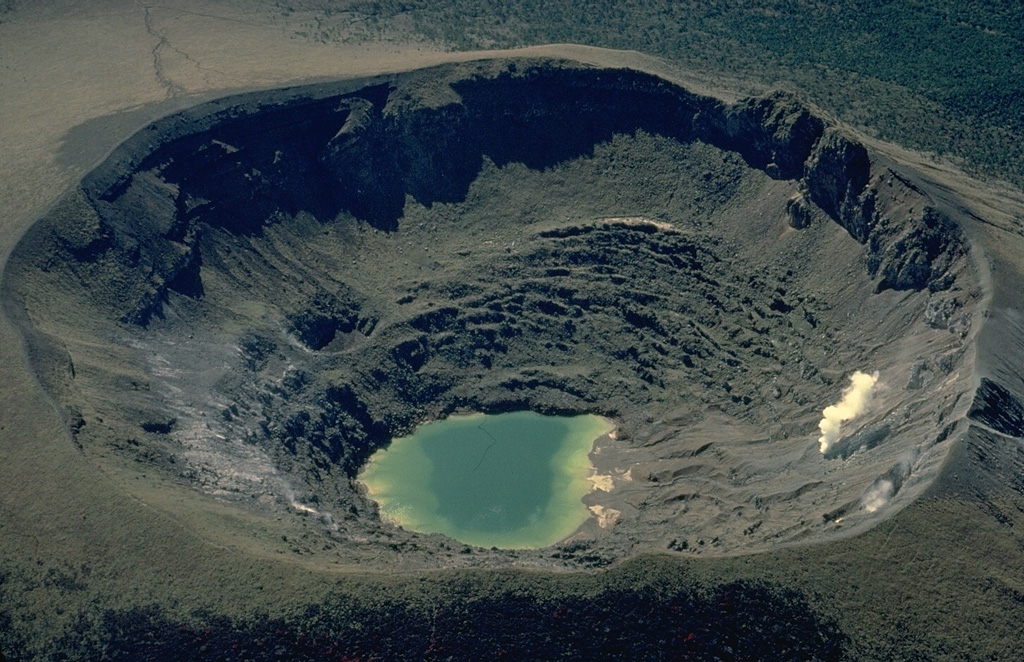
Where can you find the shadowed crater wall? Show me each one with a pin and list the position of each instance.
(252, 296)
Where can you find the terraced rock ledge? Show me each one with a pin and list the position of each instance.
(248, 298)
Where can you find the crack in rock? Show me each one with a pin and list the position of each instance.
(173, 88)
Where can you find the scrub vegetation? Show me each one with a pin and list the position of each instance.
(944, 76)
(624, 616)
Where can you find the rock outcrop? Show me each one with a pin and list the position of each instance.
(836, 176)
(774, 133)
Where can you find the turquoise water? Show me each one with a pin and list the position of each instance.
(508, 480)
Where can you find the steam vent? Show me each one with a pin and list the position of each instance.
(247, 299)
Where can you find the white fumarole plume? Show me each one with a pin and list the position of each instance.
(855, 401)
(878, 495)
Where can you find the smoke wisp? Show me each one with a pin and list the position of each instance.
(855, 400)
(878, 495)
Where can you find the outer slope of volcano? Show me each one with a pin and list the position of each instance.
(251, 296)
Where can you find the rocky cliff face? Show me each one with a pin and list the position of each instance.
(836, 176)
(365, 150)
(775, 133)
(909, 247)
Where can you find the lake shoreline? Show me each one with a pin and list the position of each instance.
(398, 478)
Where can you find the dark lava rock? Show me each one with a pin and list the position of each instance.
(159, 427)
(327, 315)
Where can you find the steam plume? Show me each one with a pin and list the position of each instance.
(855, 400)
(878, 495)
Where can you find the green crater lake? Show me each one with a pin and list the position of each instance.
(509, 480)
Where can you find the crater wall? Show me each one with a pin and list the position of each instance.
(250, 297)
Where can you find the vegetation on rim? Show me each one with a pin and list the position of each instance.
(945, 77)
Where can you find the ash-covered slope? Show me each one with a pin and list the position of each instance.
(364, 151)
(254, 295)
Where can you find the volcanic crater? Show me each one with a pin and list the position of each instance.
(247, 298)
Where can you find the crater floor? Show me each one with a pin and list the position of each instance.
(247, 299)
